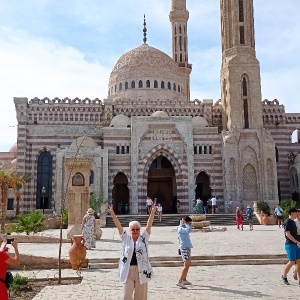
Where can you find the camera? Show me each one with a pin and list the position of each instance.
(9, 241)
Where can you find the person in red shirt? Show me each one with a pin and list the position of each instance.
(5, 261)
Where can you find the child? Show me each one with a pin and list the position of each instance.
(159, 212)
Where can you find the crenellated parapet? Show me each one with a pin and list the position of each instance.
(65, 111)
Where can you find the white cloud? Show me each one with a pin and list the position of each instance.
(36, 67)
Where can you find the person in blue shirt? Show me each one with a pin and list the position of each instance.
(185, 245)
(279, 215)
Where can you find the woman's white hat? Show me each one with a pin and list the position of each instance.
(90, 211)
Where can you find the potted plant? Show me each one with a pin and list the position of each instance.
(97, 203)
(264, 209)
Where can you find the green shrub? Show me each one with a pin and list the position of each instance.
(64, 218)
(19, 283)
(31, 223)
(10, 228)
(264, 207)
(287, 205)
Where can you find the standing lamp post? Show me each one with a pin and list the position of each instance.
(43, 195)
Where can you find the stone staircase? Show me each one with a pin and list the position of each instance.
(213, 260)
(173, 220)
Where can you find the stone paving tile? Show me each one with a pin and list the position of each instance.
(215, 282)
(219, 282)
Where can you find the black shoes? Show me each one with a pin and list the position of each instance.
(285, 281)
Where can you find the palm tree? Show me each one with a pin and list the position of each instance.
(9, 180)
(4, 186)
(17, 183)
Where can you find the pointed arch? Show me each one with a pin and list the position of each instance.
(245, 100)
(44, 179)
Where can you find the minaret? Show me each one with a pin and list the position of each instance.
(240, 74)
(179, 17)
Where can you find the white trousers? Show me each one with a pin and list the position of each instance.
(133, 285)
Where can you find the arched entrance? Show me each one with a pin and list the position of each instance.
(203, 190)
(162, 183)
(120, 194)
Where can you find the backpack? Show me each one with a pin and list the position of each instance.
(8, 280)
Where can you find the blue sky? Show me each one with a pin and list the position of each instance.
(67, 48)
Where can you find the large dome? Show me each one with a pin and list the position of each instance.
(146, 69)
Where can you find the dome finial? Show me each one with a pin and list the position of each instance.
(145, 31)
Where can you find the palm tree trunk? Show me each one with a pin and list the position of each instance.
(18, 199)
(4, 190)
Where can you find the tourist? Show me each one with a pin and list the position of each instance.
(205, 207)
(89, 229)
(297, 222)
(178, 207)
(209, 206)
(149, 203)
(185, 245)
(126, 208)
(249, 216)
(279, 215)
(5, 261)
(199, 206)
(239, 218)
(214, 204)
(159, 212)
(291, 244)
(155, 201)
(134, 266)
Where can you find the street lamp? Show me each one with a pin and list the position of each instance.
(43, 194)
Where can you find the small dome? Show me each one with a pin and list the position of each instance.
(120, 121)
(84, 141)
(14, 148)
(14, 163)
(297, 159)
(159, 114)
(199, 122)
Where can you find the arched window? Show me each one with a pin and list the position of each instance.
(195, 149)
(118, 150)
(169, 85)
(277, 154)
(133, 84)
(44, 181)
(295, 138)
(123, 150)
(148, 83)
(120, 87)
(140, 84)
(162, 84)
(91, 177)
(155, 84)
(126, 85)
(245, 102)
(241, 11)
(78, 179)
(174, 87)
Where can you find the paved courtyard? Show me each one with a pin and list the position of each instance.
(214, 282)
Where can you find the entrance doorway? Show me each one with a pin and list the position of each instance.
(162, 184)
(120, 194)
(203, 190)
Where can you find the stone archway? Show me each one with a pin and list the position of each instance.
(120, 194)
(180, 166)
(162, 183)
(203, 190)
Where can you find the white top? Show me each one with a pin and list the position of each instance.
(149, 202)
(298, 226)
(159, 208)
(141, 249)
(198, 201)
(213, 201)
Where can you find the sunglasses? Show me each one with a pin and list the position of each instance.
(135, 229)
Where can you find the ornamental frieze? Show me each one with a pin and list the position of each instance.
(35, 130)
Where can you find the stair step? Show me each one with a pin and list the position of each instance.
(173, 220)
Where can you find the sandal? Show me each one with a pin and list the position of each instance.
(295, 275)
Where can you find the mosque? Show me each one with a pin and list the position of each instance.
(148, 138)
